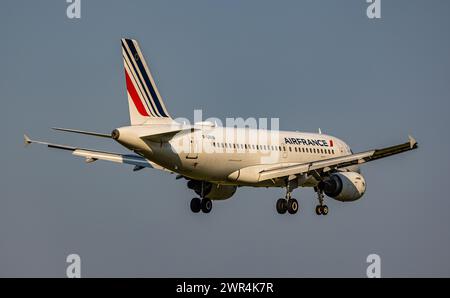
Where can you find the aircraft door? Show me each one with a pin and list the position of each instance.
(194, 144)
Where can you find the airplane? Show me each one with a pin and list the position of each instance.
(216, 160)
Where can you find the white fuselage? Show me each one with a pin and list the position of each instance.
(228, 155)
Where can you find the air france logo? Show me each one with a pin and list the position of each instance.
(306, 142)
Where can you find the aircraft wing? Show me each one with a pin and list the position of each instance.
(93, 155)
(330, 164)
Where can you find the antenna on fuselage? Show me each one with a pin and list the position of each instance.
(320, 131)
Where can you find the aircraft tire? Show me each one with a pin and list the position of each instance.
(281, 206)
(206, 205)
(195, 205)
(292, 206)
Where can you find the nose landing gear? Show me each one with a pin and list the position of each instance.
(321, 209)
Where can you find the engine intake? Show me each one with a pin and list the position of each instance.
(344, 186)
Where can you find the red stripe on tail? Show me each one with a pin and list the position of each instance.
(135, 96)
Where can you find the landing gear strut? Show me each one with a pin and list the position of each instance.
(321, 209)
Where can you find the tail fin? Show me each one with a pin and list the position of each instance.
(144, 100)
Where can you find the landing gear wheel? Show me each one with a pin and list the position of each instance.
(206, 205)
(195, 205)
(292, 206)
(281, 206)
(319, 210)
(322, 210)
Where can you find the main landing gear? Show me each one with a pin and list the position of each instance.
(287, 204)
(199, 204)
(321, 209)
(204, 205)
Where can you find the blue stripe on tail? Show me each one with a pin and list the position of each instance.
(150, 87)
(147, 103)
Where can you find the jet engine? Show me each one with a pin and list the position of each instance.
(344, 186)
(212, 191)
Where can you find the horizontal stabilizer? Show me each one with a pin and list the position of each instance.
(89, 133)
(93, 155)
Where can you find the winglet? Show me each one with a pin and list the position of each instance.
(412, 142)
(27, 141)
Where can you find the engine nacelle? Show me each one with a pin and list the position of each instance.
(212, 191)
(344, 186)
